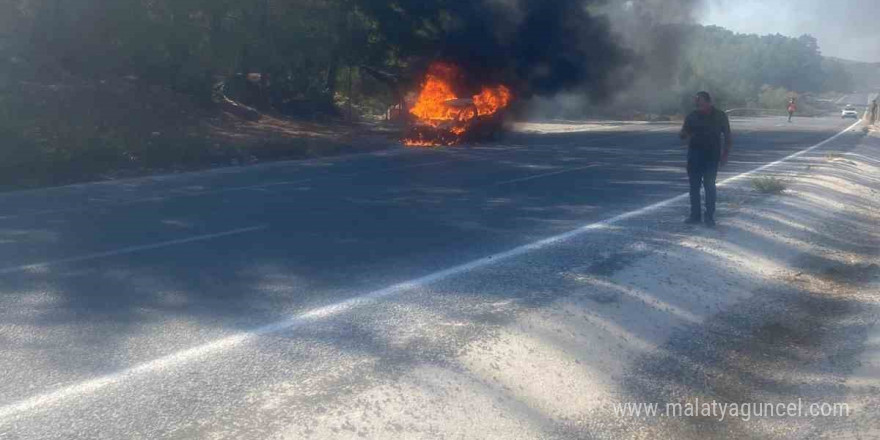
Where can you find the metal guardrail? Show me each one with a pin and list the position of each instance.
(756, 111)
(772, 112)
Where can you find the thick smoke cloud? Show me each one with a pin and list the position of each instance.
(543, 48)
(652, 30)
(540, 47)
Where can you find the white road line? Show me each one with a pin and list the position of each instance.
(155, 199)
(538, 176)
(182, 357)
(221, 170)
(408, 167)
(178, 194)
(791, 156)
(128, 250)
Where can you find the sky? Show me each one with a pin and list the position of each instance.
(847, 29)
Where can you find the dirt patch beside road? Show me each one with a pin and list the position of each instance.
(57, 134)
(802, 331)
(775, 306)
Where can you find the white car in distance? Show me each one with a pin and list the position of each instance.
(849, 112)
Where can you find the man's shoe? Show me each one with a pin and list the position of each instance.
(693, 220)
(710, 222)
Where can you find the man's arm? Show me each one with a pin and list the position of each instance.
(728, 141)
(685, 129)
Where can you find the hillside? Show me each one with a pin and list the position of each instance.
(77, 130)
(866, 76)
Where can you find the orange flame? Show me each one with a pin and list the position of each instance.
(441, 117)
(436, 91)
(492, 99)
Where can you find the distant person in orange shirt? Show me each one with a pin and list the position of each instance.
(792, 107)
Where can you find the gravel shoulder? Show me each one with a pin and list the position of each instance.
(778, 305)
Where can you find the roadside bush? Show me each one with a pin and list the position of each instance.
(774, 98)
(55, 134)
(769, 185)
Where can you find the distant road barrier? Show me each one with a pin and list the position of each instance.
(756, 112)
(773, 112)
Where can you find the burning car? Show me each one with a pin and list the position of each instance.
(439, 117)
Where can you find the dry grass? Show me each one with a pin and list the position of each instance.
(56, 134)
(769, 185)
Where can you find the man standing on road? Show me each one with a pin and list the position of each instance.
(873, 112)
(703, 129)
(792, 107)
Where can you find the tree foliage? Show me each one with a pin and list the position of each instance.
(739, 68)
(185, 43)
(304, 50)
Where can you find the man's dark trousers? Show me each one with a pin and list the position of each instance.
(702, 171)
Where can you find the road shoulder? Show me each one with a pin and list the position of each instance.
(773, 306)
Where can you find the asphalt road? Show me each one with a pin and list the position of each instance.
(139, 308)
(857, 99)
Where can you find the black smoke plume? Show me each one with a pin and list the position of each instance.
(540, 47)
(594, 49)
(537, 47)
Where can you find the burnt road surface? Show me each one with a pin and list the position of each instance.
(156, 307)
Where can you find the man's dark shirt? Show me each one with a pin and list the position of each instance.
(705, 130)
